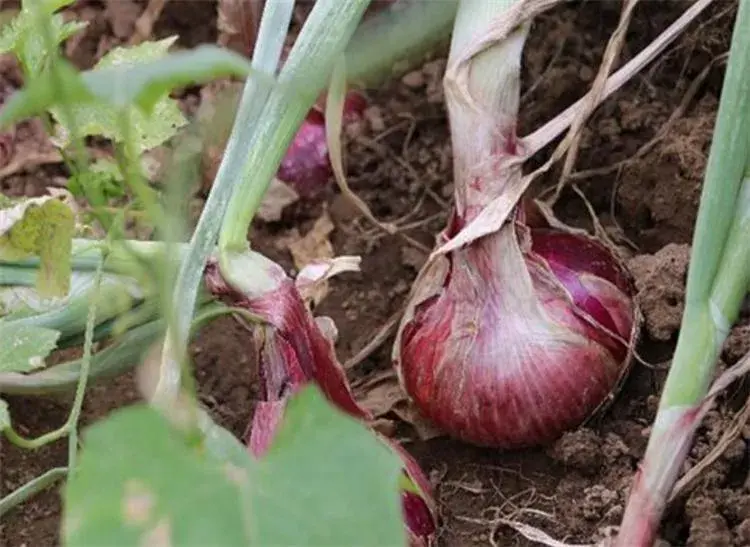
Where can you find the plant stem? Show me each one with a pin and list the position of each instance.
(273, 30)
(70, 427)
(83, 377)
(483, 114)
(116, 359)
(323, 38)
(31, 488)
(398, 38)
(718, 280)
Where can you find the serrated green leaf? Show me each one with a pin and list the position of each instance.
(134, 55)
(141, 85)
(125, 79)
(30, 46)
(24, 348)
(24, 38)
(4, 416)
(325, 481)
(145, 83)
(150, 129)
(98, 184)
(42, 227)
(46, 6)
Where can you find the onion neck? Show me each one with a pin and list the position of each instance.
(483, 113)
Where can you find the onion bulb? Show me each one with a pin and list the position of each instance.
(518, 336)
(306, 166)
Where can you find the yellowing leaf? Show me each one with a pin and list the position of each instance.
(24, 347)
(42, 227)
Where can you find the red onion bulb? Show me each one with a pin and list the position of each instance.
(526, 334)
(306, 166)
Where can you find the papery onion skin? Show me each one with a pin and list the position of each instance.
(293, 351)
(529, 336)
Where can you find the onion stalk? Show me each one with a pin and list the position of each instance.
(526, 329)
(294, 349)
(718, 280)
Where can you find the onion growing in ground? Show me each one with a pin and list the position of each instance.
(306, 167)
(295, 349)
(525, 329)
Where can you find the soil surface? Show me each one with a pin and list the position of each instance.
(640, 166)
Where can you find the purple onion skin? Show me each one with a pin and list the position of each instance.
(496, 361)
(292, 353)
(306, 167)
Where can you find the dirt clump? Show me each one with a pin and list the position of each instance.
(580, 450)
(659, 193)
(660, 281)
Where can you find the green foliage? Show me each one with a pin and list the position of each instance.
(150, 129)
(23, 35)
(120, 86)
(24, 348)
(325, 481)
(4, 416)
(42, 227)
(100, 183)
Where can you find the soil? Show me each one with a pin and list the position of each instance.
(399, 162)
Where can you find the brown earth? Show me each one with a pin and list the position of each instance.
(399, 162)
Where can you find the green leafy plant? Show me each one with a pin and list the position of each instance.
(176, 492)
(327, 471)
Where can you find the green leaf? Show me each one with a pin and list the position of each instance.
(120, 86)
(125, 78)
(41, 227)
(41, 93)
(325, 481)
(24, 37)
(138, 483)
(145, 83)
(100, 183)
(100, 119)
(4, 416)
(24, 348)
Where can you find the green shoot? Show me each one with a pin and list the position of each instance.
(717, 283)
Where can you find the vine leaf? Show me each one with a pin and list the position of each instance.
(23, 347)
(326, 480)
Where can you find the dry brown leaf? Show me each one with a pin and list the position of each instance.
(382, 395)
(237, 23)
(277, 198)
(144, 25)
(424, 429)
(314, 245)
(122, 15)
(312, 280)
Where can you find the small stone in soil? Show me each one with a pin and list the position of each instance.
(580, 449)
(709, 531)
(742, 532)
